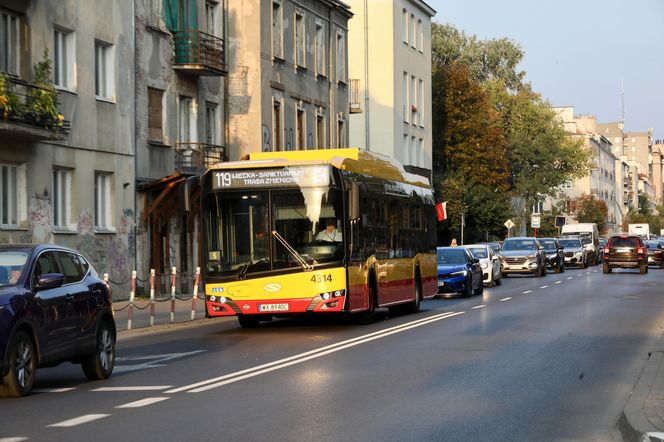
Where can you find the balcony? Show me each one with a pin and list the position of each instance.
(198, 53)
(355, 107)
(27, 112)
(195, 158)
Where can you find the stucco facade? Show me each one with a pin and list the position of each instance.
(72, 187)
(390, 55)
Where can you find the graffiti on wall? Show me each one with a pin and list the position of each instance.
(85, 223)
(39, 213)
(266, 138)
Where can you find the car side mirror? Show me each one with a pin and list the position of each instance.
(50, 281)
(475, 261)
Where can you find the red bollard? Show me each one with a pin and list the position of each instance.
(195, 297)
(173, 271)
(151, 297)
(132, 294)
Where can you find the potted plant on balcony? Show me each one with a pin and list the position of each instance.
(9, 104)
(41, 104)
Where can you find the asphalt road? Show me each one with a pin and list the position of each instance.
(551, 358)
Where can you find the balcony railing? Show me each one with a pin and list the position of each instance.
(24, 114)
(199, 53)
(195, 158)
(355, 106)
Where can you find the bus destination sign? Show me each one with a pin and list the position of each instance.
(302, 176)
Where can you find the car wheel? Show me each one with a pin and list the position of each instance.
(480, 288)
(22, 366)
(606, 268)
(585, 263)
(468, 287)
(499, 281)
(99, 365)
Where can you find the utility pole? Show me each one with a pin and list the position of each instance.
(463, 223)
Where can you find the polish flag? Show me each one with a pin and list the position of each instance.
(441, 211)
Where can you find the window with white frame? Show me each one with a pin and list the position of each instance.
(300, 40)
(420, 108)
(103, 203)
(420, 153)
(341, 56)
(64, 51)
(413, 100)
(420, 36)
(413, 31)
(61, 198)
(104, 71)
(538, 207)
(8, 195)
(320, 48)
(211, 126)
(413, 151)
(406, 111)
(404, 25)
(405, 155)
(9, 43)
(211, 21)
(155, 115)
(277, 29)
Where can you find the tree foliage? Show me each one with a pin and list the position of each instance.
(589, 209)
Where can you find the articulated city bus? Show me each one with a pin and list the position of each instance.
(318, 231)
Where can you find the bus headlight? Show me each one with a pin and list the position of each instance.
(325, 296)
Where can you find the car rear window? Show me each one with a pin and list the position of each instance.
(624, 242)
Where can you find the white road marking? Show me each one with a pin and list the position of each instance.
(309, 355)
(570, 277)
(13, 439)
(506, 299)
(134, 388)
(594, 271)
(51, 390)
(143, 402)
(79, 420)
(544, 287)
(558, 282)
(478, 306)
(587, 273)
(527, 291)
(154, 361)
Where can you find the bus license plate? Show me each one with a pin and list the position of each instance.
(273, 307)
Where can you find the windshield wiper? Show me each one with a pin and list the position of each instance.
(305, 265)
(242, 270)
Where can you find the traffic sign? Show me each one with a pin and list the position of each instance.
(535, 220)
(509, 224)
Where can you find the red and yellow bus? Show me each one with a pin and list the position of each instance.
(318, 231)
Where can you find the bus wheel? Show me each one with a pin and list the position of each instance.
(248, 321)
(414, 307)
(367, 316)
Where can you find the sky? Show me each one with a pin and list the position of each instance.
(580, 53)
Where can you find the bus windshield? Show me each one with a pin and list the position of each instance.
(242, 228)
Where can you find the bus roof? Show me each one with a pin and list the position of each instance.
(351, 159)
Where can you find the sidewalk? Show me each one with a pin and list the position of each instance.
(162, 312)
(642, 419)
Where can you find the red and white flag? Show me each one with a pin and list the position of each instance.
(441, 211)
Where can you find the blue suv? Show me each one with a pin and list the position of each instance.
(53, 308)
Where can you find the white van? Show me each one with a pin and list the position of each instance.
(641, 229)
(589, 237)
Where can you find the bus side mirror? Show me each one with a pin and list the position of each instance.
(354, 201)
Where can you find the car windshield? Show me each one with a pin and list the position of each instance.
(451, 256)
(519, 244)
(549, 244)
(479, 252)
(570, 243)
(12, 263)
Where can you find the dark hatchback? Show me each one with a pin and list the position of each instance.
(625, 252)
(655, 253)
(555, 256)
(459, 272)
(53, 308)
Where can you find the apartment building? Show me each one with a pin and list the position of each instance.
(67, 128)
(390, 60)
(658, 170)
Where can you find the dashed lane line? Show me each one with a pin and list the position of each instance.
(558, 282)
(135, 388)
(79, 420)
(506, 299)
(527, 291)
(51, 390)
(143, 402)
(544, 287)
(478, 306)
(13, 439)
(570, 277)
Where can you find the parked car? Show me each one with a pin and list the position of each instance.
(555, 257)
(602, 244)
(655, 253)
(575, 253)
(523, 255)
(54, 307)
(626, 252)
(489, 262)
(459, 272)
(495, 246)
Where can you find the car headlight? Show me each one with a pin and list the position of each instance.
(461, 273)
(532, 256)
(484, 265)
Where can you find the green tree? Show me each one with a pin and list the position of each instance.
(589, 209)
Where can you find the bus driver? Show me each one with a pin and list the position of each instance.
(330, 233)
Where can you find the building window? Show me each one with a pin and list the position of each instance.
(413, 151)
(341, 131)
(406, 111)
(404, 25)
(9, 43)
(538, 207)
(300, 40)
(420, 154)
(211, 22)
(320, 128)
(103, 201)
(341, 56)
(300, 128)
(211, 126)
(413, 100)
(155, 120)
(320, 49)
(420, 108)
(277, 125)
(63, 58)
(420, 36)
(406, 150)
(413, 30)
(62, 198)
(185, 115)
(104, 71)
(277, 30)
(8, 195)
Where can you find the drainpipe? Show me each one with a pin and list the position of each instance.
(133, 45)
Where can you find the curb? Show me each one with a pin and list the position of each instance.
(634, 424)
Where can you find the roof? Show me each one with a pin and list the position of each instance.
(350, 159)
